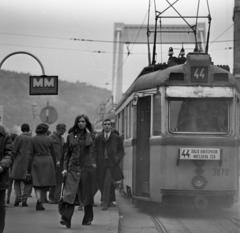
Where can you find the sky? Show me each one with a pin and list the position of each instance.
(46, 28)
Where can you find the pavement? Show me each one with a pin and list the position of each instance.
(133, 218)
(124, 218)
(28, 220)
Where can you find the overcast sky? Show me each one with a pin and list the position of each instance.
(45, 28)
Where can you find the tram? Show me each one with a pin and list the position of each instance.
(181, 133)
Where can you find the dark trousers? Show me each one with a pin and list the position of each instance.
(2, 210)
(55, 191)
(112, 193)
(26, 191)
(106, 189)
(69, 209)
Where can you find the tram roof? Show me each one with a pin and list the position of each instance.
(161, 78)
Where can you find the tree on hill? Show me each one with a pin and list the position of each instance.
(72, 100)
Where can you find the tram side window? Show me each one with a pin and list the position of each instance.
(156, 114)
(199, 115)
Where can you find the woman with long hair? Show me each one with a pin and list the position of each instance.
(42, 164)
(78, 171)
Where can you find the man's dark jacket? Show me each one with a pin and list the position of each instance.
(6, 158)
(115, 152)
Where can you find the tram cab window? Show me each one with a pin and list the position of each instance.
(199, 115)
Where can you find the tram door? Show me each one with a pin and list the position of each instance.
(143, 150)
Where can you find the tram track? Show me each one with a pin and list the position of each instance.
(195, 224)
(235, 221)
(160, 227)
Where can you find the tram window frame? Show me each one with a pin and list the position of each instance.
(157, 118)
(210, 102)
(129, 107)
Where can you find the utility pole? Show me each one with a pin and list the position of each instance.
(236, 43)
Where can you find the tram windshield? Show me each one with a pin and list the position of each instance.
(199, 115)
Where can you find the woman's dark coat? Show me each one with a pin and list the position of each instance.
(42, 161)
(21, 149)
(80, 173)
(115, 152)
(6, 158)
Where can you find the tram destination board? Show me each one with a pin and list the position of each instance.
(43, 85)
(200, 154)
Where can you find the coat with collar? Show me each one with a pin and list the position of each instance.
(115, 152)
(58, 141)
(78, 163)
(6, 158)
(21, 149)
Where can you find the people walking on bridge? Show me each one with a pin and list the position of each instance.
(6, 160)
(55, 191)
(79, 171)
(20, 166)
(107, 152)
(42, 163)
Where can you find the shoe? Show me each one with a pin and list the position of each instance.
(16, 203)
(111, 204)
(39, 206)
(104, 208)
(87, 223)
(64, 222)
(24, 204)
(46, 201)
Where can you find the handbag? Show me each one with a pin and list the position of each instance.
(117, 173)
(61, 204)
(28, 179)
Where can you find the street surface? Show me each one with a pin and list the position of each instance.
(155, 218)
(28, 220)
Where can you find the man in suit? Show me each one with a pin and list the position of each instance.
(55, 192)
(107, 152)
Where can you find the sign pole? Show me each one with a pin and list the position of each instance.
(47, 111)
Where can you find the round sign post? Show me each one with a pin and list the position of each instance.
(48, 114)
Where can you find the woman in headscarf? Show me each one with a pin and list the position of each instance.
(42, 163)
(79, 172)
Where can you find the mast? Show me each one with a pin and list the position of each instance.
(236, 43)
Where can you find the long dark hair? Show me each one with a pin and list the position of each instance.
(89, 126)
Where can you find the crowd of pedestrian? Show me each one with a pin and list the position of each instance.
(72, 171)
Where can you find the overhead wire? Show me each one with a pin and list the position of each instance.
(129, 50)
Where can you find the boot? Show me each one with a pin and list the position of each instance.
(24, 204)
(24, 200)
(39, 206)
(17, 201)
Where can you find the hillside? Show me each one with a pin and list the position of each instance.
(72, 100)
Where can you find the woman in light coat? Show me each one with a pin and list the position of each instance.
(79, 172)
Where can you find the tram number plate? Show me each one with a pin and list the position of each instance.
(199, 154)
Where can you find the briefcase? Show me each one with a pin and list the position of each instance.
(117, 173)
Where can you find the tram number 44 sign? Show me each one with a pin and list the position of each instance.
(43, 85)
(199, 74)
(199, 154)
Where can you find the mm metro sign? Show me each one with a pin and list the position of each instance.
(43, 85)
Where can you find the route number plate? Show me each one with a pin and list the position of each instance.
(199, 154)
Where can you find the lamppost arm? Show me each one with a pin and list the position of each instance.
(22, 52)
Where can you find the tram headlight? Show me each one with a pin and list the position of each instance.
(199, 163)
(199, 182)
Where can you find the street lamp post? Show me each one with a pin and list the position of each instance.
(34, 112)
